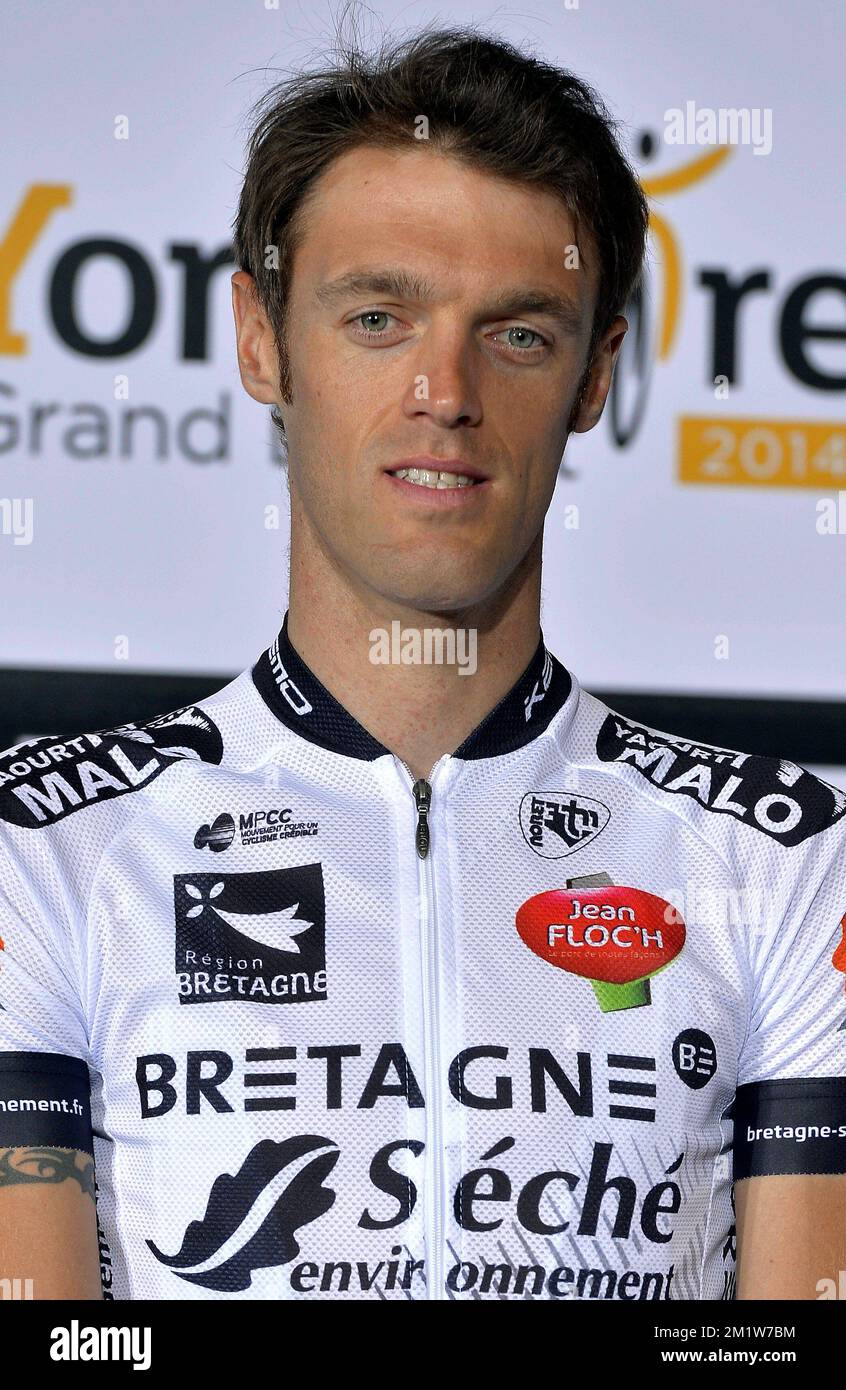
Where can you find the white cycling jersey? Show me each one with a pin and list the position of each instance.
(508, 1032)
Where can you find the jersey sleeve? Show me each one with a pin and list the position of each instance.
(790, 1107)
(45, 1094)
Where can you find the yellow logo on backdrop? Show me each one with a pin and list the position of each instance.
(38, 206)
(735, 451)
(675, 181)
(710, 449)
(777, 453)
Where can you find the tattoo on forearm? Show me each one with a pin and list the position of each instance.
(46, 1165)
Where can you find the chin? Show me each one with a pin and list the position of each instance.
(455, 598)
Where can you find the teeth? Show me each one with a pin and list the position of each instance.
(428, 477)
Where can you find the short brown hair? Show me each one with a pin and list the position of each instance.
(487, 104)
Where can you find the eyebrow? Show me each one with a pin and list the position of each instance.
(402, 284)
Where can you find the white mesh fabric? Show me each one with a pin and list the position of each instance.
(330, 1192)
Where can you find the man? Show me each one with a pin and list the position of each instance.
(396, 977)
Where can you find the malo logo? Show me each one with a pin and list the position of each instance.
(774, 796)
(613, 936)
(557, 823)
(251, 936)
(45, 779)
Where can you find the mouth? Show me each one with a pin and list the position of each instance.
(438, 474)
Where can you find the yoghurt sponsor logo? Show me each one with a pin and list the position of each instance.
(777, 797)
(45, 779)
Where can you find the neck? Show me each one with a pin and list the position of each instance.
(418, 709)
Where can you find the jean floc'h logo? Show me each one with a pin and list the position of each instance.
(251, 936)
(616, 937)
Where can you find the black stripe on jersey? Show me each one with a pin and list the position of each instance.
(779, 798)
(792, 1125)
(292, 691)
(45, 779)
(45, 1101)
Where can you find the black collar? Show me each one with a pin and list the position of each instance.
(301, 702)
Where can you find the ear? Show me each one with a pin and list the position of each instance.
(599, 380)
(255, 341)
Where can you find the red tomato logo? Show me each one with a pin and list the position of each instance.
(614, 936)
(838, 960)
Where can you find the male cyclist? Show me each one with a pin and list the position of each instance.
(402, 967)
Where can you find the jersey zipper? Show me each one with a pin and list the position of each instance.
(434, 1168)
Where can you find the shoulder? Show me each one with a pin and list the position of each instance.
(747, 799)
(48, 779)
(66, 801)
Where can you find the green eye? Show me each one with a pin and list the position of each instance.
(373, 314)
(523, 347)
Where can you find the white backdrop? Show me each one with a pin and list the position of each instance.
(167, 563)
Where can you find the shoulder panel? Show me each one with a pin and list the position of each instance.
(776, 797)
(46, 779)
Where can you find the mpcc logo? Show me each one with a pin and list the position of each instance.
(251, 936)
(555, 824)
(218, 836)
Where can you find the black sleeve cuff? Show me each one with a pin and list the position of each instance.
(794, 1125)
(45, 1101)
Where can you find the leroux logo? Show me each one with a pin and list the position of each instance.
(555, 824)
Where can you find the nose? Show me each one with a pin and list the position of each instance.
(444, 385)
